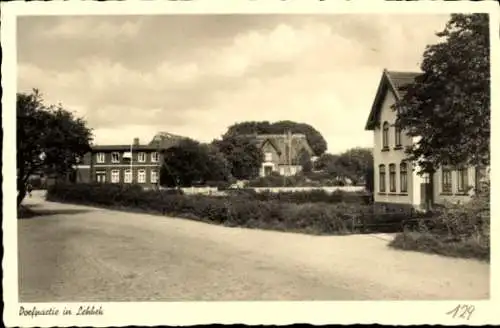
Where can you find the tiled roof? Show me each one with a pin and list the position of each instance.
(396, 81)
(165, 140)
(400, 80)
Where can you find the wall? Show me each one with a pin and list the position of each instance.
(327, 189)
(454, 196)
(391, 156)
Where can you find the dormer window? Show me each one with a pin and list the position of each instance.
(385, 135)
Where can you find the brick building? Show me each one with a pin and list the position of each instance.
(132, 163)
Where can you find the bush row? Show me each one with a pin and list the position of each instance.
(311, 196)
(455, 230)
(315, 218)
(292, 181)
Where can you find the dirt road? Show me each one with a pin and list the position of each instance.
(78, 253)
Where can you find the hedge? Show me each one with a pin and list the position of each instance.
(314, 218)
(311, 196)
(456, 230)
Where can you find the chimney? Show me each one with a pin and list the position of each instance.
(136, 141)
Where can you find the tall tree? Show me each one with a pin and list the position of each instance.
(448, 106)
(190, 162)
(243, 156)
(49, 138)
(314, 138)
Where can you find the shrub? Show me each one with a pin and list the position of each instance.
(460, 230)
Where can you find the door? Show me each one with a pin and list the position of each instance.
(268, 170)
(427, 192)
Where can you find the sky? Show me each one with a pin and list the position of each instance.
(195, 75)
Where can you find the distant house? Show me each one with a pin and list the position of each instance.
(282, 153)
(125, 163)
(396, 182)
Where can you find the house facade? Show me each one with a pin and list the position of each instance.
(132, 163)
(282, 153)
(396, 182)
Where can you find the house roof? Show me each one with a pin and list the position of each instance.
(162, 141)
(122, 147)
(280, 142)
(165, 140)
(394, 81)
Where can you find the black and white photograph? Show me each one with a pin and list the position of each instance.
(240, 157)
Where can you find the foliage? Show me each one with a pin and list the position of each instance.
(354, 164)
(459, 230)
(314, 138)
(243, 210)
(49, 139)
(242, 154)
(190, 162)
(448, 106)
(314, 196)
(325, 161)
(305, 161)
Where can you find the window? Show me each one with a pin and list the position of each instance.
(154, 176)
(445, 180)
(462, 183)
(154, 157)
(115, 157)
(385, 135)
(397, 136)
(381, 181)
(115, 176)
(128, 176)
(392, 177)
(403, 177)
(100, 176)
(100, 157)
(268, 157)
(141, 176)
(141, 157)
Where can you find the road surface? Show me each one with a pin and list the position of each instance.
(82, 254)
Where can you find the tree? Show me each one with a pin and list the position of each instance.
(243, 156)
(314, 138)
(49, 138)
(305, 161)
(448, 105)
(353, 164)
(324, 161)
(190, 162)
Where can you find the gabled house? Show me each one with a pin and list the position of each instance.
(282, 153)
(396, 182)
(127, 163)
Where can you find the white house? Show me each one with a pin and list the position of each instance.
(396, 182)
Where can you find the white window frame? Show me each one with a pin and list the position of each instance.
(117, 154)
(127, 176)
(268, 156)
(155, 157)
(141, 157)
(154, 176)
(115, 176)
(141, 174)
(100, 157)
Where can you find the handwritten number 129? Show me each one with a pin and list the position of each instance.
(463, 311)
